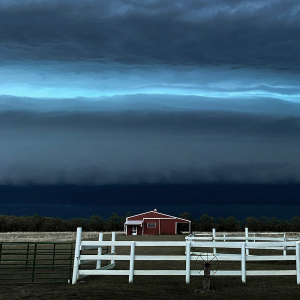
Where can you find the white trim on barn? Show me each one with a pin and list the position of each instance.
(137, 222)
(160, 218)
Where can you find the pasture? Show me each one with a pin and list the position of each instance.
(149, 287)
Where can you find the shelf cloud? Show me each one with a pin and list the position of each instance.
(148, 147)
(247, 33)
(144, 93)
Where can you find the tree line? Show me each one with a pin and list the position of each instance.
(231, 224)
(116, 223)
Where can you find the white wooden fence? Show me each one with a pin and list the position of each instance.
(253, 235)
(249, 236)
(79, 258)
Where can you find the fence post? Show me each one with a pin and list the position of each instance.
(131, 265)
(71, 257)
(98, 265)
(113, 247)
(77, 255)
(33, 263)
(243, 262)
(188, 262)
(27, 254)
(53, 256)
(298, 261)
(214, 239)
(284, 248)
(246, 236)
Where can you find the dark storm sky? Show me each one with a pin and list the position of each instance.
(149, 93)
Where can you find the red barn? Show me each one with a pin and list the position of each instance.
(153, 222)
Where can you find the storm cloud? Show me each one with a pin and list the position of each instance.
(132, 96)
(242, 33)
(148, 147)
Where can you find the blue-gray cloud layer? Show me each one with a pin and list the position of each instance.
(42, 79)
(250, 33)
(132, 147)
(105, 92)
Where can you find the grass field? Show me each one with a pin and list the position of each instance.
(150, 287)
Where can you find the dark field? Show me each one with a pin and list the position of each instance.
(161, 287)
(164, 287)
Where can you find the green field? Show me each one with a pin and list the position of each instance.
(154, 287)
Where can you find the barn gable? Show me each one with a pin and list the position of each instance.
(153, 214)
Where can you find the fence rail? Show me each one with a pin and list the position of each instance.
(243, 257)
(213, 236)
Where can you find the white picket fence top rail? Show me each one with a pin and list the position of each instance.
(206, 244)
(239, 238)
(254, 236)
(187, 246)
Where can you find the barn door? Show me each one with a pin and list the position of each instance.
(134, 230)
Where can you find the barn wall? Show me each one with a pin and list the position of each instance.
(167, 226)
(154, 230)
(139, 230)
(129, 230)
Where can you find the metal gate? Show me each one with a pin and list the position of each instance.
(35, 262)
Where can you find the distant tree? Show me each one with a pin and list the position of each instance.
(295, 224)
(274, 224)
(123, 218)
(12, 224)
(206, 223)
(284, 226)
(3, 223)
(228, 224)
(64, 224)
(25, 223)
(186, 215)
(114, 223)
(37, 222)
(96, 223)
(253, 224)
(55, 224)
(264, 223)
(77, 222)
(128, 214)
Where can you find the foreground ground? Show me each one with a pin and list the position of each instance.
(150, 287)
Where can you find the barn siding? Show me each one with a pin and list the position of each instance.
(167, 226)
(154, 230)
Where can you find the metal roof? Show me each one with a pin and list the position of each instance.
(137, 222)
